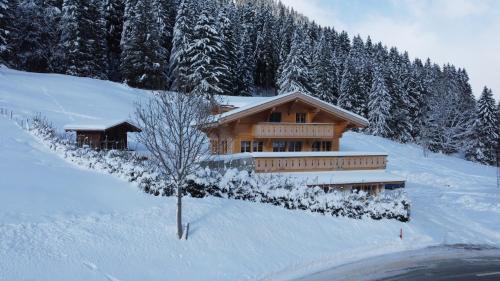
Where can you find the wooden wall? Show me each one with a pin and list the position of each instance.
(243, 129)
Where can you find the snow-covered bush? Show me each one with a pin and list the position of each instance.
(292, 193)
(283, 191)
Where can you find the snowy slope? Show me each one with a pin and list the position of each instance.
(62, 222)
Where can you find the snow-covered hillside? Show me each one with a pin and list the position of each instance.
(61, 222)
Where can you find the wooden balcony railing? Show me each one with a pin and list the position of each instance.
(322, 163)
(293, 130)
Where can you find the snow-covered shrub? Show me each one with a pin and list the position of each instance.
(278, 190)
(292, 193)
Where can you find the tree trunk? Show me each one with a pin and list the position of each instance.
(179, 211)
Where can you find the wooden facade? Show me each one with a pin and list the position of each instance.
(292, 133)
(113, 136)
(291, 125)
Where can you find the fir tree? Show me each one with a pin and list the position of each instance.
(352, 88)
(205, 73)
(266, 60)
(7, 18)
(142, 57)
(182, 36)
(379, 106)
(246, 64)
(323, 70)
(113, 16)
(296, 75)
(485, 130)
(226, 57)
(32, 39)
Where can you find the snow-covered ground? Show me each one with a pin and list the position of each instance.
(61, 222)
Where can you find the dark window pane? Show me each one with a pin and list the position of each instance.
(245, 146)
(275, 117)
(279, 146)
(257, 146)
(300, 118)
(295, 146)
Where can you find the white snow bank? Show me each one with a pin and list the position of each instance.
(340, 177)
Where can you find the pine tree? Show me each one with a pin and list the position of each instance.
(485, 130)
(113, 16)
(82, 46)
(7, 10)
(164, 13)
(205, 73)
(32, 39)
(182, 36)
(379, 105)
(142, 57)
(227, 54)
(265, 56)
(341, 52)
(95, 37)
(296, 75)
(245, 49)
(323, 70)
(352, 92)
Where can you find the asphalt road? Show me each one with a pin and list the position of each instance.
(456, 262)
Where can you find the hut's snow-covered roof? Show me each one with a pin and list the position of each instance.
(101, 126)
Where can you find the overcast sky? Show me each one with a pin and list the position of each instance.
(465, 33)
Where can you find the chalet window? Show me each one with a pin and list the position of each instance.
(223, 147)
(257, 146)
(275, 117)
(300, 118)
(245, 146)
(214, 146)
(295, 146)
(322, 146)
(279, 146)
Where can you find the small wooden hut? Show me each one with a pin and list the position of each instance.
(110, 135)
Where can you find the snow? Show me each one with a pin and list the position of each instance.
(95, 127)
(63, 222)
(339, 177)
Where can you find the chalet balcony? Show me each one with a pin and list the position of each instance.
(293, 130)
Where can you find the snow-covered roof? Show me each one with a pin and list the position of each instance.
(265, 103)
(229, 157)
(103, 126)
(344, 177)
(239, 101)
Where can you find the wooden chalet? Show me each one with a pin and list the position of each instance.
(298, 133)
(111, 135)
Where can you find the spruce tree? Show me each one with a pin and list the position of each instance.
(142, 60)
(352, 87)
(7, 19)
(95, 37)
(485, 130)
(265, 56)
(113, 16)
(245, 52)
(296, 75)
(226, 57)
(205, 73)
(323, 70)
(182, 37)
(379, 105)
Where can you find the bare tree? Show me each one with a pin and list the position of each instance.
(170, 131)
